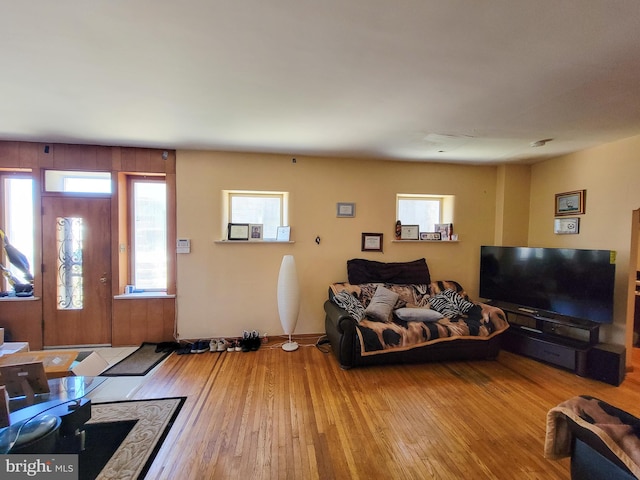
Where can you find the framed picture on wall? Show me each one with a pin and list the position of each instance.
(566, 226)
(347, 210)
(570, 203)
(372, 242)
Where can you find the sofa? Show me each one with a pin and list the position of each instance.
(602, 440)
(394, 313)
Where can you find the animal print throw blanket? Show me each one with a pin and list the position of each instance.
(378, 337)
(618, 430)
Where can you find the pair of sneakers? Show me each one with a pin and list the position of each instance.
(217, 345)
(250, 341)
(200, 346)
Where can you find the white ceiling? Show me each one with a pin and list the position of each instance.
(446, 80)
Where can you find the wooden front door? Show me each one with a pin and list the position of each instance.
(76, 252)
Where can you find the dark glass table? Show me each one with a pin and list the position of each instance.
(65, 400)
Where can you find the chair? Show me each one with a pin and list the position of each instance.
(602, 440)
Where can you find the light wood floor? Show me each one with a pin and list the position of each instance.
(273, 414)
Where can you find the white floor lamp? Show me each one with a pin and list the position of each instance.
(288, 299)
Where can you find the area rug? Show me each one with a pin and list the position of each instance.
(139, 363)
(123, 438)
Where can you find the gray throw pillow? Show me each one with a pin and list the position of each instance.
(380, 307)
(351, 304)
(418, 315)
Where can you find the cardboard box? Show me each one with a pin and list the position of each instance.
(92, 366)
(10, 348)
(59, 363)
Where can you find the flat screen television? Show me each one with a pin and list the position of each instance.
(569, 282)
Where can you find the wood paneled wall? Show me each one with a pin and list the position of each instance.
(136, 318)
(22, 320)
(143, 320)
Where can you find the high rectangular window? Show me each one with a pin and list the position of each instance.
(17, 220)
(65, 181)
(266, 208)
(424, 210)
(149, 234)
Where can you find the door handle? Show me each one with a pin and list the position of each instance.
(103, 278)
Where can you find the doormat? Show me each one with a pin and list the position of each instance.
(123, 438)
(139, 363)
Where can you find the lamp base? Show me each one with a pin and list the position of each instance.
(290, 346)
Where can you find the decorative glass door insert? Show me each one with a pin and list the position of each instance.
(69, 232)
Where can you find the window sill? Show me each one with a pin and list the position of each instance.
(13, 298)
(425, 241)
(252, 242)
(142, 295)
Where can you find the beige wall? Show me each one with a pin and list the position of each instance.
(611, 176)
(224, 289)
(512, 205)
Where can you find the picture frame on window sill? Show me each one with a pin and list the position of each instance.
(372, 242)
(238, 231)
(570, 203)
(255, 232)
(283, 234)
(430, 236)
(410, 232)
(345, 210)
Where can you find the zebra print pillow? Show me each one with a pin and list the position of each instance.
(350, 304)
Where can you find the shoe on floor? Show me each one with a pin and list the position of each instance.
(200, 346)
(222, 345)
(255, 341)
(184, 349)
(245, 343)
(213, 345)
(231, 346)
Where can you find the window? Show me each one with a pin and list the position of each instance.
(77, 182)
(149, 233)
(17, 220)
(266, 208)
(70, 288)
(424, 210)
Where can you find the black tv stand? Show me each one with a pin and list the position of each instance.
(556, 339)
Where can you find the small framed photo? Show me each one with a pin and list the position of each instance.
(238, 231)
(345, 209)
(283, 234)
(566, 226)
(430, 236)
(372, 242)
(445, 229)
(570, 203)
(410, 232)
(255, 232)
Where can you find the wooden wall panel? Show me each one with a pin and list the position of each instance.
(142, 320)
(45, 155)
(9, 154)
(103, 159)
(145, 160)
(18, 154)
(23, 319)
(79, 157)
